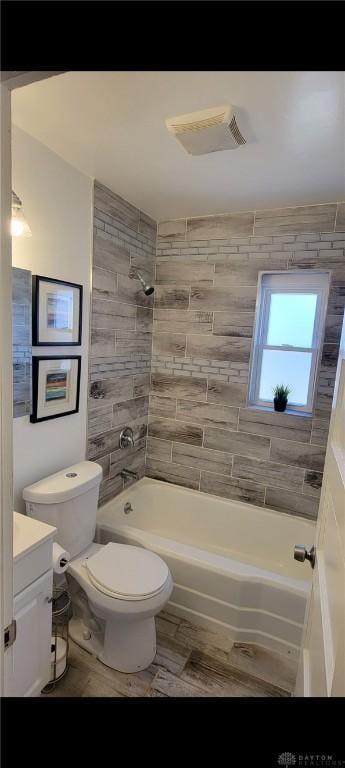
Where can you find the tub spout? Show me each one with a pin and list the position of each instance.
(127, 474)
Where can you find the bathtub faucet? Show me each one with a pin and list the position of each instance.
(127, 474)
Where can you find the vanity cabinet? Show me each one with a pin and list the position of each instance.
(27, 661)
(31, 651)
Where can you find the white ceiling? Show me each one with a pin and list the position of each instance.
(110, 125)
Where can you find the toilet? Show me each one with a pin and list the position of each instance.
(117, 589)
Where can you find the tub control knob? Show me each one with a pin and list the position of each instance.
(301, 553)
(126, 439)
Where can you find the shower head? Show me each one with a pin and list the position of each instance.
(147, 288)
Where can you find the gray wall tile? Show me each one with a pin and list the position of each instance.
(147, 226)
(112, 315)
(179, 431)
(110, 256)
(121, 339)
(340, 221)
(102, 342)
(172, 296)
(172, 230)
(319, 434)
(215, 354)
(330, 354)
(144, 319)
(182, 321)
(104, 284)
(233, 393)
(281, 425)
(236, 442)
(163, 406)
(326, 259)
(233, 324)
(333, 328)
(109, 489)
(178, 386)
(133, 343)
(184, 273)
(336, 301)
(244, 269)
(298, 454)
(204, 303)
(233, 349)
(232, 488)
(205, 413)
(307, 218)
(108, 442)
(100, 421)
(141, 384)
(114, 206)
(239, 299)
(169, 344)
(173, 473)
(202, 458)
(132, 458)
(130, 410)
(312, 483)
(21, 286)
(293, 503)
(223, 226)
(159, 449)
(21, 341)
(268, 473)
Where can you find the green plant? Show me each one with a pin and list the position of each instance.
(281, 392)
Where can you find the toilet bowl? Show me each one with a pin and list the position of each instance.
(116, 589)
(125, 587)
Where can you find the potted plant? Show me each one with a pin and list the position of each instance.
(281, 394)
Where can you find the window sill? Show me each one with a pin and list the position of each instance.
(288, 411)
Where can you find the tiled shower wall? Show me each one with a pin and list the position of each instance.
(121, 336)
(201, 434)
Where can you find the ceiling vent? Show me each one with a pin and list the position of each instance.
(211, 130)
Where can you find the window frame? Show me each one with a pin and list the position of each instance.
(269, 283)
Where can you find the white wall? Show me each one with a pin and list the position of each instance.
(57, 201)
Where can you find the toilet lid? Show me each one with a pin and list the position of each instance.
(127, 572)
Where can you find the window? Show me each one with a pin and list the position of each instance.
(288, 334)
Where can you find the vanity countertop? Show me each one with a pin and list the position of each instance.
(29, 534)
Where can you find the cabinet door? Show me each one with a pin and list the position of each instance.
(28, 669)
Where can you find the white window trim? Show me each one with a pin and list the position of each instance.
(310, 281)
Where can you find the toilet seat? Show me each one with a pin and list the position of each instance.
(125, 572)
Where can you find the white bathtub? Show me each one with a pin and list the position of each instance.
(232, 563)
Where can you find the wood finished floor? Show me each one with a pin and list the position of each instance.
(190, 662)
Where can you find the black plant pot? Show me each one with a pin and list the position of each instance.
(280, 403)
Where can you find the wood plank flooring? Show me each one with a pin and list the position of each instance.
(190, 662)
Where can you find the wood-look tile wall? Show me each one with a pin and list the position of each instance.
(121, 337)
(21, 341)
(201, 434)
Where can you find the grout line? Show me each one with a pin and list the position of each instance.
(335, 218)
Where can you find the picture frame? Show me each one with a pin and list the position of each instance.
(55, 387)
(57, 309)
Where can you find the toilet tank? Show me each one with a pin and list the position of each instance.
(68, 500)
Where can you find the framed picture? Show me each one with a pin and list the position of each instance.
(56, 312)
(55, 387)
